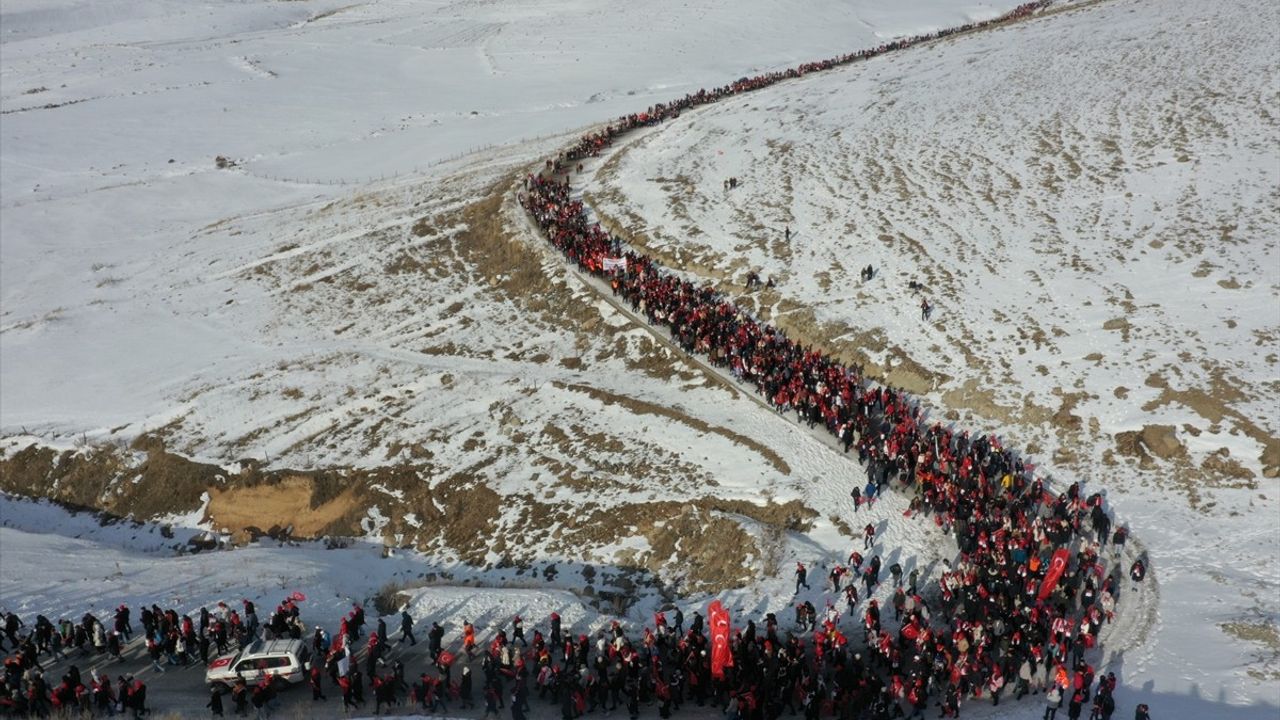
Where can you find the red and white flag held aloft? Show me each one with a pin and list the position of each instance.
(721, 655)
(1057, 566)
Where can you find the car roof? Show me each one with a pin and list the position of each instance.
(273, 647)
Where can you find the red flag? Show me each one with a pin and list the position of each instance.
(297, 596)
(1057, 566)
(721, 656)
(445, 658)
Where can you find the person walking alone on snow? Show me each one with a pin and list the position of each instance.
(801, 575)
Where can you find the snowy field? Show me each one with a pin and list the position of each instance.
(115, 111)
(359, 290)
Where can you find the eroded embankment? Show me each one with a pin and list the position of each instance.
(455, 515)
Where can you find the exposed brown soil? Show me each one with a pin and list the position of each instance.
(714, 551)
(458, 512)
(1129, 444)
(286, 504)
(1214, 405)
(1149, 443)
(1162, 441)
(1221, 464)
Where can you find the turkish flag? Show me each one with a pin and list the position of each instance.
(1057, 566)
(721, 656)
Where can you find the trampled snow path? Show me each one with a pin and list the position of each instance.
(1137, 607)
(1132, 652)
(1213, 657)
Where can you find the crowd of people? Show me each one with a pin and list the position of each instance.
(1004, 616)
(168, 639)
(981, 630)
(1036, 579)
(24, 690)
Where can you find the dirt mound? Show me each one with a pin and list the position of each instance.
(1162, 441)
(701, 543)
(456, 513)
(1152, 441)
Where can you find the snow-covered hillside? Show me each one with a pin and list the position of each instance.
(1090, 201)
(115, 111)
(1102, 244)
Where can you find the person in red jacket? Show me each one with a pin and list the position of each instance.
(348, 697)
(801, 577)
(314, 678)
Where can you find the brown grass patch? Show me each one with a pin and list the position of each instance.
(1213, 404)
(1265, 638)
(286, 504)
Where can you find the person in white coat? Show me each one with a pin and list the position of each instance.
(1052, 700)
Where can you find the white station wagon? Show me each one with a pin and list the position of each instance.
(287, 660)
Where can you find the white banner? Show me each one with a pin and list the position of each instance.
(615, 263)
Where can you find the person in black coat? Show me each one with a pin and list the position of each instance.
(406, 628)
(215, 701)
(435, 639)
